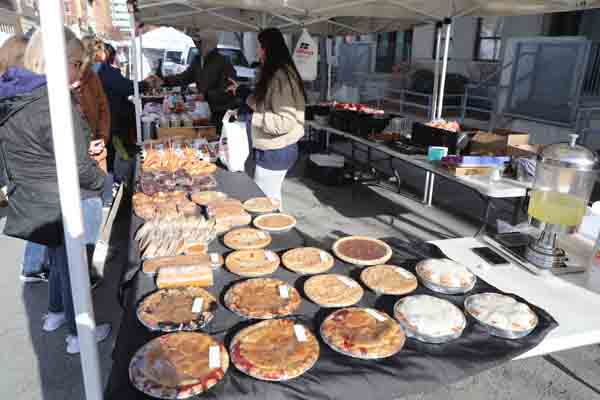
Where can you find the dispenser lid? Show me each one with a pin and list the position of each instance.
(569, 155)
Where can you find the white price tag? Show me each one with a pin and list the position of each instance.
(214, 357)
(197, 305)
(270, 256)
(284, 291)
(348, 282)
(214, 258)
(324, 256)
(375, 315)
(300, 333)
(262, 235)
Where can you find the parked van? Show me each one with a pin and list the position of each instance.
(177, 61)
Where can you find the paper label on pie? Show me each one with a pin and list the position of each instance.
(270, 256)
(300, 333)
(284, 291)
(262, 235)
(324, 256)
(214, 357)
(214, 258)
(376, 315)
(197, 305)
(348, 282)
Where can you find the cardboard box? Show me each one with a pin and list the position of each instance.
(524, 150)
(470, 171)
(496, 143)
(207, 132)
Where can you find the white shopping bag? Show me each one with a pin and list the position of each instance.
(306, 55)
(233, 146)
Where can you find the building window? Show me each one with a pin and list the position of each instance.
(443, 42)
(489, 38)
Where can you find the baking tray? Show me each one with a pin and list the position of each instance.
(495, 331)
(426, 338)
(353, 355)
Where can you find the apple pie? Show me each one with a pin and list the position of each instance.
(389, 279)
(260, 205)
(308, 260)
(252, 263)
(333, 290)
(247, 239)
(178, 365)
(274, 350)
(170, 310)
(363, 333)
(262, 298)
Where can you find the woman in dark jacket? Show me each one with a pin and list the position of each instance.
(27, 149)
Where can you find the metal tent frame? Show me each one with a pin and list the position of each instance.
(334, 17)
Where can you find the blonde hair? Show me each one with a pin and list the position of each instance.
(93, 49)
(34, 54)
(12, 52)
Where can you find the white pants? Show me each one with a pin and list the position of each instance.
(270, 182)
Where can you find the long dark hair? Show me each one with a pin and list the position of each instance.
(277, 56)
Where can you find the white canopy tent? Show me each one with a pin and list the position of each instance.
(319, 16)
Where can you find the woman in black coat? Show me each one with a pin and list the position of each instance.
(34, 203)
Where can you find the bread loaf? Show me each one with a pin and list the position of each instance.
(192, 275)
(153, 265)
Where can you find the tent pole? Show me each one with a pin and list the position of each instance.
(136, 60)
(63, 138)
(436, 73)
(448, 23)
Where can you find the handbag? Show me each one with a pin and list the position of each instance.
(33, 214)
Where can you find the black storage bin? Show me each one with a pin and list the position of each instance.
(425, 135)
(325, 175)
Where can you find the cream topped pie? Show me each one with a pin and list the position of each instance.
(446, 274)
(501, 312)
(429, 318)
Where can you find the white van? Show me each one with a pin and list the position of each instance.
(177, 61)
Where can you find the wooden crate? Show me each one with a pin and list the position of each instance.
(207, 132)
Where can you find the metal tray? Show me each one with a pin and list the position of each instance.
(353, 355)
(502, 333)
(262, 378)
(445, 289)
(411, 333)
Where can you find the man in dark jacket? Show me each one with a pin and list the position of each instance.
(211, 73)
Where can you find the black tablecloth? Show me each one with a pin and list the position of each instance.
(417, 368)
